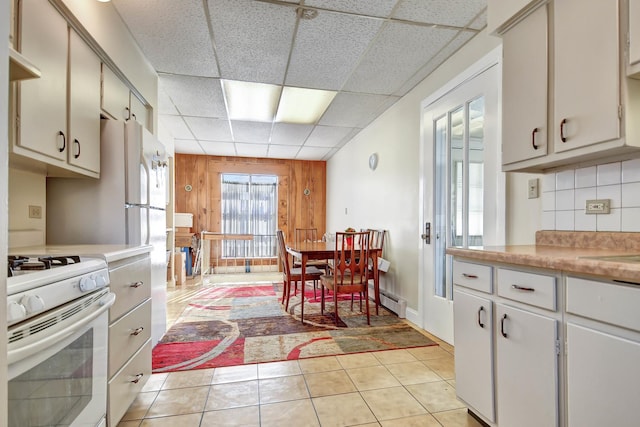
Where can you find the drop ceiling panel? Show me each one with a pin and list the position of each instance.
(456, 43)
(353, 109)
(283, 151)
(251, 132)
(252, 39)
(395, 56)
(328, 65)
(312, 153)
(173, 35)
(176, 126)
(445, 12)
(195, 96)
(251, 150)
(380, 8)
(165, 105)
(290, 134)
(326, 136)
(209, 129)
(480, 22)
(212, 148)
(188, 146)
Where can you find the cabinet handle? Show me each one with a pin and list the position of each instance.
(469, 276)
(134, 116)
(562, 123)
(479, 319)
(75, 141)
(64, 141)
(127, 113)
(137, 330)
(533, 139)
(137, 284)
(504, 334)
(137, 378)
(522, 288)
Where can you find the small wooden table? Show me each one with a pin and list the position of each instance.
(306, 251)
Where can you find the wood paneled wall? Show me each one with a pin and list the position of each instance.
(295, 209)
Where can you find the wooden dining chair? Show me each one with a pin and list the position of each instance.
(293, 275)
(376, 242)
(309, 235)
(349, 272)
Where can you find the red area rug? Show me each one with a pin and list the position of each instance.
(236, 324)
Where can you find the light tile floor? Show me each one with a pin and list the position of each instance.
(412, 387)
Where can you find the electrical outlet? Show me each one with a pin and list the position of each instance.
(599, 206)
(533, 188)
(35, 211)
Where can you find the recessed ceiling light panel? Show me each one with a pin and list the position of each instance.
(305, 106)
(253, 102)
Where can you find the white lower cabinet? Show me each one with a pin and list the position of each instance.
(473, 331)
(603, 353)
(603, 378)
(526, 368)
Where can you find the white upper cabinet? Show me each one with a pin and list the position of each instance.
(566, 99)
(42, 116)
(524, 89)
(58, 115)
(84, 105)
(115, 95)
(503, 13)
(587, 73)
(138, 110)
(634, 38)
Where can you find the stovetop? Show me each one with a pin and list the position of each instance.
(21, 264)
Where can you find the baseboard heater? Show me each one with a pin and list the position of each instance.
(393, 303)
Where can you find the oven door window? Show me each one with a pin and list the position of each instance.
(57, 390)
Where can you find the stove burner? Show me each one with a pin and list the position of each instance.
(19, 264)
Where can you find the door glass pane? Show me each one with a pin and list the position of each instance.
(476, 171)
(440, 207)
(456, 170)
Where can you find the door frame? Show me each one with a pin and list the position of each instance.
(426, 214)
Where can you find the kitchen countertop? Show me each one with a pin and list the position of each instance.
(571, 252)
(110, 253)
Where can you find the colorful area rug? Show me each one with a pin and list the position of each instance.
(236, 324)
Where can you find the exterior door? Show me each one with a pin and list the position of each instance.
(463, 188)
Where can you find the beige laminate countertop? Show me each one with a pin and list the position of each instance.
(110, 253)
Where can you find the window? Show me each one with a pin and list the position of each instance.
(249, 206)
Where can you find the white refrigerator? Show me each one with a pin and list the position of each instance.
(127, 205)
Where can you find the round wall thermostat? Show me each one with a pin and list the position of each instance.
(373, 161)
(306, 191)
(188, 187)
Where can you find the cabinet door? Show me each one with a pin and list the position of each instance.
(602, 378)
(527, 368)
(115, 95)
(634, 32)
(524, 89)
(84, 105)
(138, 111)
(42, 113)
(586, 69)
(473, 335)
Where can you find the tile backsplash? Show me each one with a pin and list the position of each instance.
(564, 196)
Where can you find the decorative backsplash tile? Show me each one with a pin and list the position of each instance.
(564, 196)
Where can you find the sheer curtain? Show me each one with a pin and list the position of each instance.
(249, 206)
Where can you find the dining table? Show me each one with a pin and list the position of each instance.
(323, 250)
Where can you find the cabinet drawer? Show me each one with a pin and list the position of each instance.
(530, 288)
(122, 390)
(607, 302)
(128, 334)
(474, 276)
(132, 284)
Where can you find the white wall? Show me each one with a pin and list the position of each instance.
(388, 197)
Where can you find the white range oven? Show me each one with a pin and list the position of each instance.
(57, 315)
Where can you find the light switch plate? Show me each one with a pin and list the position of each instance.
(533, 188)
(598, 206)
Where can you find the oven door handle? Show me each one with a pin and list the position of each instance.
(41, 345)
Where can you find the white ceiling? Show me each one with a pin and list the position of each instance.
(372, 52)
